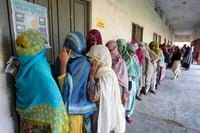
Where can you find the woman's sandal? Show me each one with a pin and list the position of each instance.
(129, 120)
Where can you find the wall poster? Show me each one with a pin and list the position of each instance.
(27, 15)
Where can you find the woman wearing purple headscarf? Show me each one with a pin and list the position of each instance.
(119, 67)
(93, 38)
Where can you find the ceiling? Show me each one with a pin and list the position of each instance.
(182, 15)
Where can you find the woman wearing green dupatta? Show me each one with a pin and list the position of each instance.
(132, 74)
(153, 47)
(39, 102)
(160, 64)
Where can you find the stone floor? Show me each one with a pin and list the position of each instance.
(174, 109)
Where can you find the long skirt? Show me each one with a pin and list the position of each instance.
(140, 84)
(176, 67)
(149, 78)
(26, 127)
(131, 106)
(76, 124)
(153, 80)
(163, 72)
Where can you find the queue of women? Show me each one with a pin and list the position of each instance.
(93, 87)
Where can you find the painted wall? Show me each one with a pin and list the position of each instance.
(6, 121)
(120, 14)
(8, 115)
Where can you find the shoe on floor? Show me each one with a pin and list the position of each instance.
(152, 91)
(139, 98)
(129, 120)
(156, 86)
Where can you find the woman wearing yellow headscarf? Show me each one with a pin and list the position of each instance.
(39, 102)
(160, 64)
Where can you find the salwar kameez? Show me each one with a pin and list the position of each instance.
(76, 121)
(176, 67)
(153, 80)
(111, 112)
(145, 70)
(187, 59)
(131, 64)
(26, 127)
(163, 71)
(160, 64)
(151, 69)
(39, 102)
(139, 78)
(149, 77)
(138, 92)
(176, 62)
(131, 106)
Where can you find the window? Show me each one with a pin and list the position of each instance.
(165, 40)
(159, 39)
(155, 37)
(137, 32)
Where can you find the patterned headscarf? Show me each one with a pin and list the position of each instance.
(153, 47)
(38, 101)
(94, 36)
(29, 43)
(118, 64)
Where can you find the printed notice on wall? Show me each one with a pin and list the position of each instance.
(30, 16)
(100, 23)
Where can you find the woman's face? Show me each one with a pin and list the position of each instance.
(131, 53)
(95, 43)
(120, 48)
(20, 45)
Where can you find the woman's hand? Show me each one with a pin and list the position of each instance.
(129, 92)
(158, 69)
(125, 98)
(15, 71)
(147, 71)
(64, 58)
(93, 70)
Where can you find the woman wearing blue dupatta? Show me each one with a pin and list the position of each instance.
(39, 102)
(73, 84)
(131, 74)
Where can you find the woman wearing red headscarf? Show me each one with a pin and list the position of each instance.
(176, 58)
(93, 38)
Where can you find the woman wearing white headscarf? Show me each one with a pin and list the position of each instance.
(111, 115)
(146, 74)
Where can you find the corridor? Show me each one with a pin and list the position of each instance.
(174, 109)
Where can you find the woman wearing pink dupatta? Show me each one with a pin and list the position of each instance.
(119, 67)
